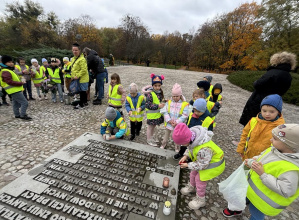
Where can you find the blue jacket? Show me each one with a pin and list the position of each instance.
(112, 124)
(135, 100)
(198, 121)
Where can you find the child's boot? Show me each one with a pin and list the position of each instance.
(188, 189)
(197, 202)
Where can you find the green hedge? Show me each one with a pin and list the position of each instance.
(245, 80)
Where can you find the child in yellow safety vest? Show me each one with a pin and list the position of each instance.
(215, 93)
(207, 160)
(36, 76)
(273, 175)
(116, 94)
(114, 126)
(154, 97)
(175, 111)
(135, 105)
(256, 134)
(199, 116)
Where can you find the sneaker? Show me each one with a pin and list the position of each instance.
(177, 156)
(85, 104)
(78, 107)
(45, 97)
(97, 102)
(39, 98)
(61, 101)
(31, 98)
(26, 118)
(197, 202)
(54, 101)
(18, 116)
(132, 137)
(162, 146)
(5, 103)
(229, 213)
(152, 143)
(188, 189)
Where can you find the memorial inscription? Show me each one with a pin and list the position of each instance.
(110, 180)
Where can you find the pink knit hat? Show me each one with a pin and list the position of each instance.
(177, 90)
(181, 134)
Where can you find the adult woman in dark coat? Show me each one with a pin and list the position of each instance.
(277, 80)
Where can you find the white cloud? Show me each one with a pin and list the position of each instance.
(158, 15)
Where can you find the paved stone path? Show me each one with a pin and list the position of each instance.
(25, 144)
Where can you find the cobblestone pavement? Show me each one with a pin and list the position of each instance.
(25, 144)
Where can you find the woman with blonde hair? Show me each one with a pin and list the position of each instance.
(277, 80)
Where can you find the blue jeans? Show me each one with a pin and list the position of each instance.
(19, 101)
(27, 87)
(100, 85)
(255, 213)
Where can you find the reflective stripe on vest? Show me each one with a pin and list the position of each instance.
(54, 76)
(264, 199)
(8, 88)
(119, 121)
(210, 106)
(206, 122)
(154, 114)
(114, 98)
(38, 78)
(136, 116)
(253, 123)
(217, 163)
(184, 104)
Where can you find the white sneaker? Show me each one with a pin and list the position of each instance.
(61, 101)
(188, 189)
(197, 202)
(152, 143)
(39, 98)
(46, 97)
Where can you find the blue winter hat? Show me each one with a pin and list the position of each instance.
(157, 79)
(200, 105)
(44, 60)
(273, 100)
(204, 84)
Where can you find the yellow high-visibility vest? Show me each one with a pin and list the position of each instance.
(54, 76)
(114, 98)
(38, 78)
(154, 114)
(217, 163)
(20, 69)
(136, 116)
(8, 88)
(264, 199)
(67, 66)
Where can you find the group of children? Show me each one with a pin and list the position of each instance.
(270, 145)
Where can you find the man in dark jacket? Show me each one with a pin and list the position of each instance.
(277, 80)
(96, 66)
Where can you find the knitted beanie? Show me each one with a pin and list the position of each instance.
(288, 134)
(176, 90)
(44, 60)
(110, 113)
(181, 134)
(209, 78)
(204, 84)
(157, 79)
(6, 59)
(273, 100)
(200, 105)
(133, 88)
(33, 60)
(66, 59)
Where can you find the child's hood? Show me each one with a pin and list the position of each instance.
(202, 135)
(291, 157)
(147, 89)
(217, 86)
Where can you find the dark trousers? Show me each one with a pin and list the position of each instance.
(83, 98)
(27, 88)
(135, 127)
(100, 85)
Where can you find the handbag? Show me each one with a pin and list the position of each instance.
(234, 189)
(75, 86)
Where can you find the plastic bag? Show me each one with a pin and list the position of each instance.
(75, 86)
(234, 189)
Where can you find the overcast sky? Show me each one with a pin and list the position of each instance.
(158, 15)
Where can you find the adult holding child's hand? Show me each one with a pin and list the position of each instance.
(277, 80)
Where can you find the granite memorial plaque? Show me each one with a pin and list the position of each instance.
(94, 179)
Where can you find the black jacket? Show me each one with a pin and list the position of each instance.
(94, 63)
(277, 80)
